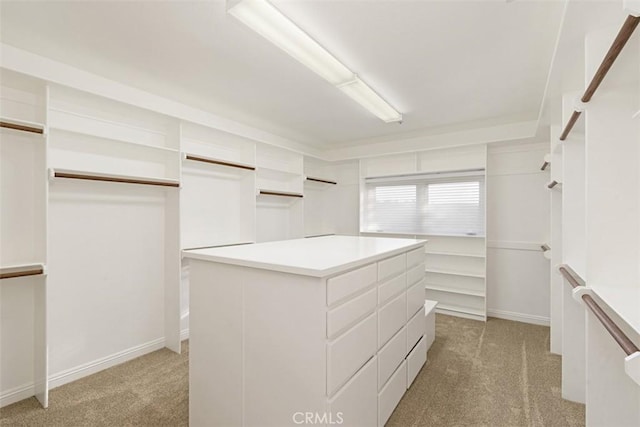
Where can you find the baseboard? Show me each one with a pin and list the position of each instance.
(17, 394)
(73, 374)
(184, 334)
(519, 317)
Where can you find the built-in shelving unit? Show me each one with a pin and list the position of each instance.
(455, 273)
(23, 227)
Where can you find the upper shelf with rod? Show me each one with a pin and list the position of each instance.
(625, 33)
(211, 160)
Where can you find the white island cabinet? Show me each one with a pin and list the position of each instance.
(322, 331)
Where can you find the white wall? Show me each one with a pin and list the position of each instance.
(517, 224)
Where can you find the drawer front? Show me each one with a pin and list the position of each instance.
(391, 356)
(349, 352)
(415, 298)
(415, 274)
(391, 318)
(342, 286)
(415, 256)
(391, 394)
(357, 398)
(415, 360)
(391, 288)
(416, 328)
(342, 317)
(390, 267)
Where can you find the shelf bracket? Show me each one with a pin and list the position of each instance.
(579, 291)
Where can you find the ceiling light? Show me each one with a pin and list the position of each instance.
(262, 17)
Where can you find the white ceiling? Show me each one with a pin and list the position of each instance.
(450, 65)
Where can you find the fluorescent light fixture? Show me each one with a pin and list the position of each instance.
(262, 17)
(357, 90)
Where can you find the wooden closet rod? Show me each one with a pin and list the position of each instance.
(21, 271)
(113, 178)
(625, 33)
(545, 247)
(552, 184)
(620, 41)
(278, 193)
(545, 165)
(218, 162)
(572, 121)
(24, 128)
(623, 340)
(324, 181)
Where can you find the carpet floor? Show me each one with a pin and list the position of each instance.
(497, 373)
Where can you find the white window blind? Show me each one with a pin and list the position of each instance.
(451, 203)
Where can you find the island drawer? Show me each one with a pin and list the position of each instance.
(391, 356)
(342, 286)
(391, 288)
(415, 274)
(391, 318)
(415, 360)
(349, 352)
(357, 398)
(416, 328)
(345, 315)
(391, 393)
(415, 256)
(416, 295)
(390, 267)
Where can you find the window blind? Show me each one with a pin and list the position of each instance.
(450, 203)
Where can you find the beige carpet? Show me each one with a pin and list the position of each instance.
(494, 374)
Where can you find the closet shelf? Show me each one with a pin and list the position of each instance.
(459, 254)
(277, 170)
(432, 287)
(113, 140)
(127, 179)
(204, 159)
(443, 308)
(13, 271)
(265, 192)
(453, 273)
(22, 125)
(320, 180)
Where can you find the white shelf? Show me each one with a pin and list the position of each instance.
(432, 287)
(23, 126)
(443, 308)
(112, 140)
(460, 254)
(280, 171)
(453, 273)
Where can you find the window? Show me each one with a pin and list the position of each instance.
(449, 203)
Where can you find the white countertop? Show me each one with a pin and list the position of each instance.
(317, 257)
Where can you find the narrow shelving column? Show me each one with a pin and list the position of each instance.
(279, 194)
(23, 281)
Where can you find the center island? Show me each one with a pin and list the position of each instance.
(327, 330)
